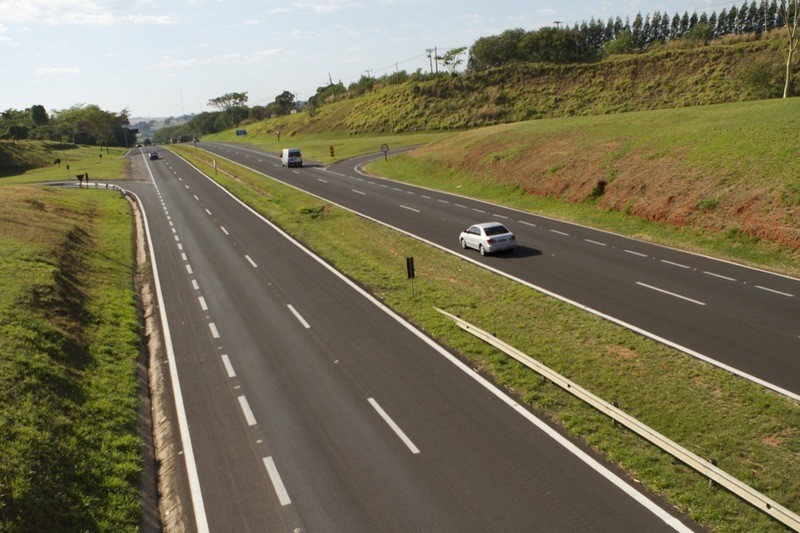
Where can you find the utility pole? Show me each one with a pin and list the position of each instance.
(558, 24)
(369, 73)
(330, 80)
(430, 59)
(436, 59)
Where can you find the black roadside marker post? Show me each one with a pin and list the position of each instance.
(410, 271)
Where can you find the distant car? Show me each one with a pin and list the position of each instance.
(488, 237)
(153, 155)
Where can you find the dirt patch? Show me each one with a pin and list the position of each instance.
(170, 509)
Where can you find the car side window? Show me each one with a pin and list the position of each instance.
(474, 230)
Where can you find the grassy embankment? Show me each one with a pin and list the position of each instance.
(753, 434)
(32, 161)
(672, 77)
(717, 179)
(70, 454)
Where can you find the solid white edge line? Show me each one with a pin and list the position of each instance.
(248, 413)
(399, 432)
(626, 487)
(298, 316)
(201, 521)
(228, 366)
(698, 302)
(577, 225)
(569, 446)
(277, 482)
(253, 263)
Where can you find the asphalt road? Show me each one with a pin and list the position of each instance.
(743, 319)
(310, 408)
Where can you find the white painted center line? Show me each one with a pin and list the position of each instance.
(359, 192)
(248, 413)
(214, 331)
(189, 269)
(296, 171)
(224, 230)
(461, 206)
(183, 256)
(174, 230)
(251, 261)
(409, 208)
(635, 253)
(203, 304)
(719, 276)
(426, 196)
(443, 201)
(196, 198)
(395, 427)
(322, 180)
(528, 223)
(228, 366)
(410, 192)
(277, 483)
(195, 285)
(598, 243)
(669, 293)
(298, 316)
(396, 189)
(209, 212)
(499, 216)
(774, 291)
(560, 232)
(674, 264)
(478, 210)
(180, 247)
(186, 186)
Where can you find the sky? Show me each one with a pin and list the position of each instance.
(169, 58)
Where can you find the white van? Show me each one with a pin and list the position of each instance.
(291, 157)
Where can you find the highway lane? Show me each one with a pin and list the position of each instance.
(309, 410)
(742, 319)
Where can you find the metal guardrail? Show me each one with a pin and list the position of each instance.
(704, 467)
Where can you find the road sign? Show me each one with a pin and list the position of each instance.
(240, 133)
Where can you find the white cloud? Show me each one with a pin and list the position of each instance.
(327, 7)
(219, 59)
(75, 12)
(56, 71)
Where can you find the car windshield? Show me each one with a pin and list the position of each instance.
(495, 230)
(294, 153)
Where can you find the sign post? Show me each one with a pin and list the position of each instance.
(410, 272)
(385, 150)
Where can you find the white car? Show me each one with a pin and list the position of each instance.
(488, 238)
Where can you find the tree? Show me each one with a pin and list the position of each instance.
(495, 51)
(451, 59)
(39, 115)
(792, 12)
(284, 103)
(228, 101)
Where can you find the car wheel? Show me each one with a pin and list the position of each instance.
(481, 250)
(463, 244)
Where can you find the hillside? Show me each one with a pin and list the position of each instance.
(669, 78)
(19, 156)
(729, 168)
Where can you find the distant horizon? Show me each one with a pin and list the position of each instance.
(161, 61)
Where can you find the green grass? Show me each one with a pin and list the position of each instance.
(70, 454)
(81, 160)
(316, 147)
(729, 171)
(753, 434)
